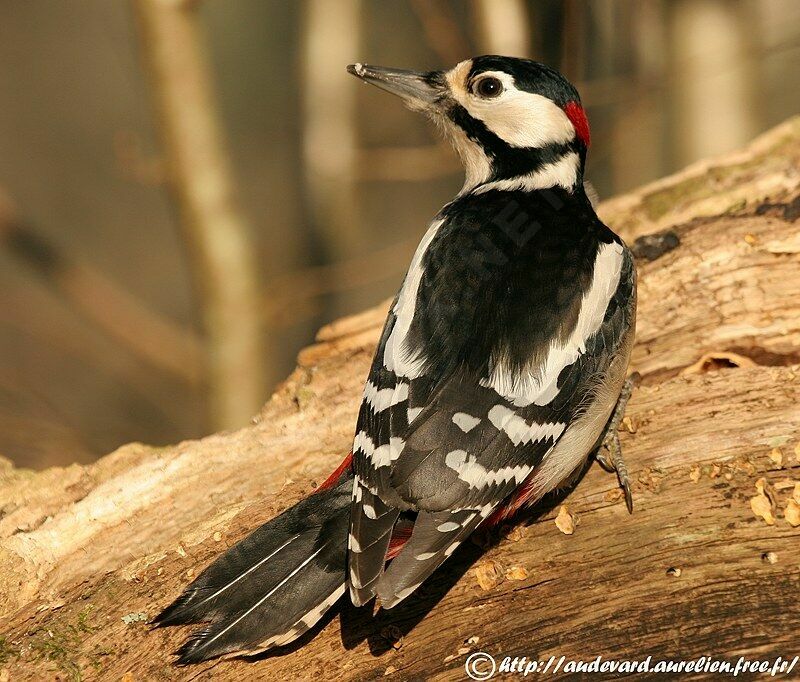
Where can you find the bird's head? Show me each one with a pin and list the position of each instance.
(512, 120)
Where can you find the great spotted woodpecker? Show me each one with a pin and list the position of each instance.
(498, 371)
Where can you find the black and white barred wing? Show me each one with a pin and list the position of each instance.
(460, 456)
(466, 453)
(371, 520)
(454, 448)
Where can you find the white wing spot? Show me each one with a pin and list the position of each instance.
(381, 456)
(369, 511)
(452, 548)
(474, 474)
(402, 594)
(519, 431)
(413, 413)
(448, 527)
(456, 459)
(465, 422)
(425, 556)
(358, 490)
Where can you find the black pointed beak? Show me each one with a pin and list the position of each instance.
(417, 89)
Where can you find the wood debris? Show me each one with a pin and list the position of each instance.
(763, 504)
(769, 558)
(629, 424)
(513, 533)
(651, 479)
(565, 522)
(516, 573)
(792, 513)
(489, 574)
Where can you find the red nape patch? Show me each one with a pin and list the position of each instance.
(577, 115)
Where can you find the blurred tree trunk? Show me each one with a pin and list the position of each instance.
(217, 237)
(331, 37)
(713, 76)
(705, 566)
(503, 27)
(637, 139)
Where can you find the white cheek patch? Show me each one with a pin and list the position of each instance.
(477, 165)
(519, 118)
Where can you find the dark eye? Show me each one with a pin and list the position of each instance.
(489, 87)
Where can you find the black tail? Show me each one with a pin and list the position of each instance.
(272, 586)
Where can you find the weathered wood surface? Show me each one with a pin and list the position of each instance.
(87, 553)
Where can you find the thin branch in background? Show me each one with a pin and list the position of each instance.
(290, 298)
(135, 163)
(443, 34)
(574, 42)
(102, 302)
(503, 27)
(220, 252)
(330, 39)
(26, 312)
(636, 136)
(407, 164)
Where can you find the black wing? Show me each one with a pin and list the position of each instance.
(453, 446)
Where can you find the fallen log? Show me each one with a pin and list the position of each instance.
(709, 563)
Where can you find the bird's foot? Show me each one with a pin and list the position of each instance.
(609, 454)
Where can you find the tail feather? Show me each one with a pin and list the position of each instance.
(371, 527)
(434, 538)
(272, 586)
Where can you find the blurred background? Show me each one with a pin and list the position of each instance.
(190, 188)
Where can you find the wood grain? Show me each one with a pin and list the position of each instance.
(88, 553)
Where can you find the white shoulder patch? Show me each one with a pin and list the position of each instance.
(396, 356)
(538, 385)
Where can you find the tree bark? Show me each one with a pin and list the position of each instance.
(87, 554)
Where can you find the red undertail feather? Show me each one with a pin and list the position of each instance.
(333, 479)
